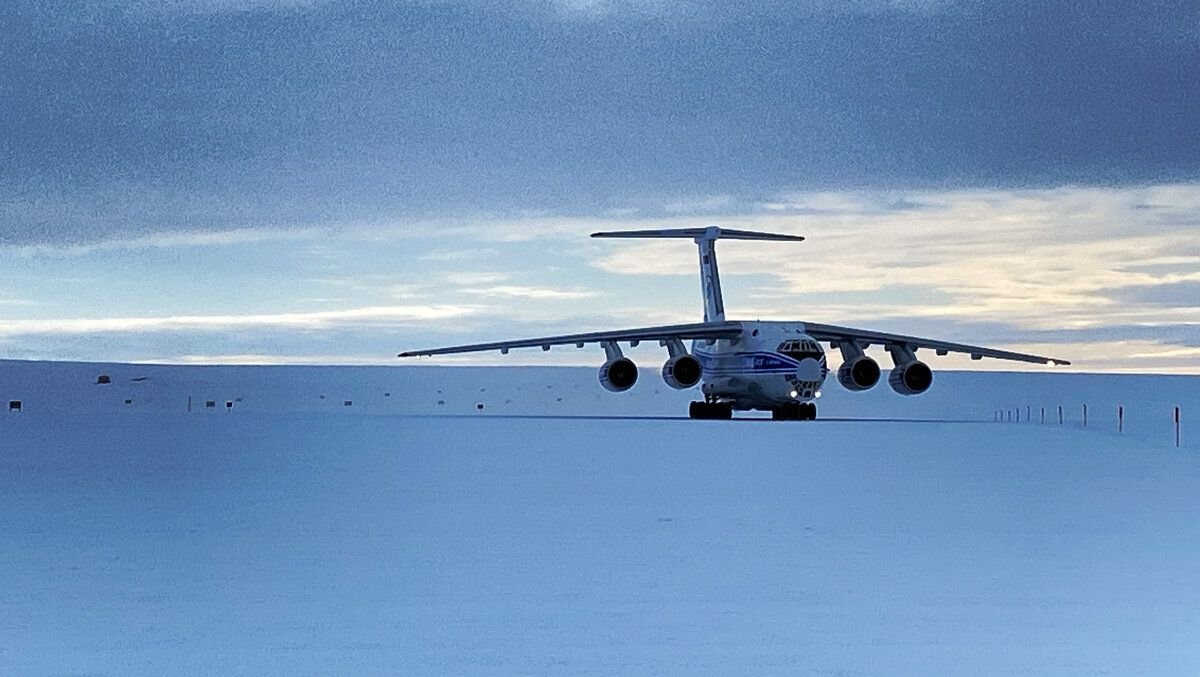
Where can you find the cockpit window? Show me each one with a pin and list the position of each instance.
(800, 348)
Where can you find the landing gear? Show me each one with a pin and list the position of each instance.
(711, 410)
(795, 411)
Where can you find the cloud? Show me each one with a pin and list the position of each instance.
(532, 293)
(693, 10)
(1065, 268)
(166, 8)
(595, 9)
(701, 204)
(377, 315)
(1157, 353)
(332, 113)
(166, 240)
(1071, 257)
(459, 254)
(1175, 290)
(476, 278)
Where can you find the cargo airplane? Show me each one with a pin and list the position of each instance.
(773, 366)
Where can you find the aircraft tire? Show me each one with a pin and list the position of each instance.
(710, 410)
(794, 411)
(789, 411)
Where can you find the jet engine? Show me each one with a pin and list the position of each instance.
(618, 374)
(682, 371)
(859, 373)
(911, 378)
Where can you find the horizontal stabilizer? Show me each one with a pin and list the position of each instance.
(709, 233)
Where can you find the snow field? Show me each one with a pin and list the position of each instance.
(70, 389)
(265, 542)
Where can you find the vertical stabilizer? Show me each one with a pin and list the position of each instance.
(710, 277)
(705, 239)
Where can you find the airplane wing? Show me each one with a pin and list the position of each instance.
(708, 330)
(864, 338)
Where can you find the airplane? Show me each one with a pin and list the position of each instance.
(740, 365)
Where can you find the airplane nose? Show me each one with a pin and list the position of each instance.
(809, 370)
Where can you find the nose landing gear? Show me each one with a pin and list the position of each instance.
(795, 411)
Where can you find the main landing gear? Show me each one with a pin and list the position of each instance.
(795, 411)
(711, 409)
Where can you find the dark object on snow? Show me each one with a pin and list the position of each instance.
(347, 403)
(479, 407)
(103, 380)
(139, 379)
(14, 405)
(210, 404)
(128, 401)
(228, 405)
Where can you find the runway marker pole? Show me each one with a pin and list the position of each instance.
(1177, 427)
(1120, 419)
(1085, 415)
(1043, 416)
(1060, 418)
(1028, 413)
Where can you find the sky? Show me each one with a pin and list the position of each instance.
(308, 181)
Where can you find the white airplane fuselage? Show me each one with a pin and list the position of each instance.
(773, 363)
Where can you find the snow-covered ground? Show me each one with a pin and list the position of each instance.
(70, 388)
(288, 537)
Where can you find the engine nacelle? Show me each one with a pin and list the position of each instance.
(859, 373)
(618, 374)
(911, 378)
(682, 372)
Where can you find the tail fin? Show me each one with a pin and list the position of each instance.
(705, 239)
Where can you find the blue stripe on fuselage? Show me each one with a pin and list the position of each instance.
(746, 363)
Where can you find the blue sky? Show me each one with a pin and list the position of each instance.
(271, 180)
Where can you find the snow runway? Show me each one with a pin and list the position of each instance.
(301, 543)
